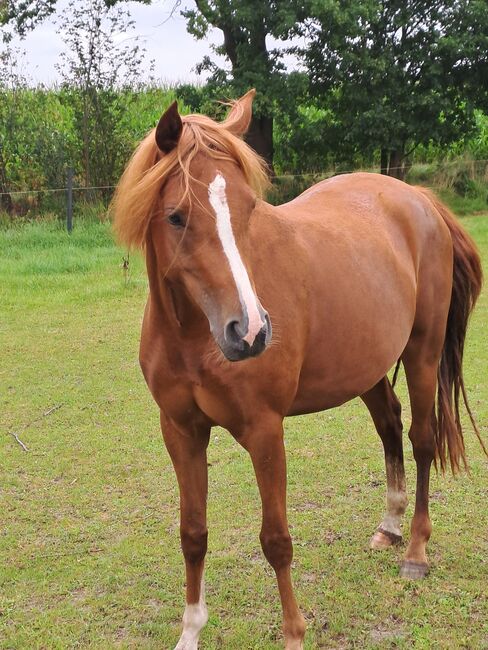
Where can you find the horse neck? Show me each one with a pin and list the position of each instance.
(172, 308)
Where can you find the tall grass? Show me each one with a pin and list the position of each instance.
(462, 183)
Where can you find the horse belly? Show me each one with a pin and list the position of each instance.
(324, 385)
(362, 315)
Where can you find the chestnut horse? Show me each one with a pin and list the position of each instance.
(358, 272)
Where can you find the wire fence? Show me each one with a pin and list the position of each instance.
(459, 174)
(333, 170)
(49, 190)
(59, 201)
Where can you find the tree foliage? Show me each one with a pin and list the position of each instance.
(24, 15)
(398, 73)
(247, 28)
(94, 67)
(384, 76)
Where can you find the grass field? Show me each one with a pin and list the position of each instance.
(89, 548)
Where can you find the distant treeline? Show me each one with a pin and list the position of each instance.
(382, 84)
(43, 131)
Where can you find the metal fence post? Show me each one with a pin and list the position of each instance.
(69, 200)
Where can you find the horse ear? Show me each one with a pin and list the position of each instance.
(168, 130)
(239, 117)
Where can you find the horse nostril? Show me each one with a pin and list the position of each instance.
(233, 332)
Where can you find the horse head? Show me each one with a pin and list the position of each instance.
(201, 192)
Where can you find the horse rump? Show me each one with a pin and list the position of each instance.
(466, 287)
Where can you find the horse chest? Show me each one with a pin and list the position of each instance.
(183, 387)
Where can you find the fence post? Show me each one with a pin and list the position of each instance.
(69, 200)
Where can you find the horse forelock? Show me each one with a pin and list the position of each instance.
(138, 193)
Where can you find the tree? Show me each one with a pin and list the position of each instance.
(398, 73)
(245, 26)
(94, 69)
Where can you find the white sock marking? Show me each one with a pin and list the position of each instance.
(194, 619)
(218, 201)
(396, 504)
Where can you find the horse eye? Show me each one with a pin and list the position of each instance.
(176, 220)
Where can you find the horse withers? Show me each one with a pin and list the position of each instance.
(257, 312)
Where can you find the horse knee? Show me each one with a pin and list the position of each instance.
(389, 424)
(423, 443)
(277, 548)
(194, 543)
(396, 407)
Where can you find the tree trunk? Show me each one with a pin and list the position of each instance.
(396, 167)
(384, 161)
(260, 138)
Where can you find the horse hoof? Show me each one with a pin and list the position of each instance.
(413, 570)
(384, 539)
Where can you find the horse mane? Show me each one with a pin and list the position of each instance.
(138, 192)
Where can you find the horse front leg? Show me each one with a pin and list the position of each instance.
(187, 448)
(265, 446)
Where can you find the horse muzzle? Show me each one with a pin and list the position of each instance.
(236, 348)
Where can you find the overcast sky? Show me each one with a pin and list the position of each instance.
(175, 52)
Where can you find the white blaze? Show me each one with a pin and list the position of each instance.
(218, 201)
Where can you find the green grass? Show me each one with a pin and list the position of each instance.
(89, 549)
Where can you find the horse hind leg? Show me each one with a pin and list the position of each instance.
(385, 410)
(421, 360)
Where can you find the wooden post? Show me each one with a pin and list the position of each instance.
(69, 200)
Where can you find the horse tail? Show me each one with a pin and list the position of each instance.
(466, 286)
